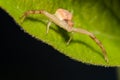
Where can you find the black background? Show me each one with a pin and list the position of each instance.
(25, 58)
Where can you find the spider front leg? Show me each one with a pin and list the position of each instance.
(30, 12)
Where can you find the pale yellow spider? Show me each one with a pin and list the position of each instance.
(63, 18)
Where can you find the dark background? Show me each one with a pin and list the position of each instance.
(25, 58)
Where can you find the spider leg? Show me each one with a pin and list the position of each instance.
(92, 36)
(30, 12)
(48, 26)
(71, 36)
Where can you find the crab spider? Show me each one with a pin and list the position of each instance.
(63, 19)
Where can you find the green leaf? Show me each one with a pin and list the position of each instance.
(100, 17)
